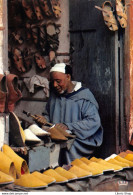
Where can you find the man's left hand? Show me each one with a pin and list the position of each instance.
(62, 126)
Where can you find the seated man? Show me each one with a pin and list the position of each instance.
(74, 108)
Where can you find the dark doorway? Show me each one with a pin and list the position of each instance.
(98, 63)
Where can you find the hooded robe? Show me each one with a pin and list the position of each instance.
(79, 111)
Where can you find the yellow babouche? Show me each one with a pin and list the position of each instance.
(124, 160)
(94, 159)
(20, 164)
(5, 178)
(129, 157)
(82, 165)
(80, 173)
(116, 162)
(85, 160)
(7, 165)
(45, 178)
(30, 181)
(57, 176)
(110, 165)
(65, 173)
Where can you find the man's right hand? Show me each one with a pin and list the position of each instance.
(40, 119)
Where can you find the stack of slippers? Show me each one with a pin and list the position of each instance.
(110, 18)
(33, 132)
(58, 134)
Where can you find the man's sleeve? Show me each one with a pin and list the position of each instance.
(46, 112)
(89, 124)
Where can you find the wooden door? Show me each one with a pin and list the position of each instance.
(97, 64)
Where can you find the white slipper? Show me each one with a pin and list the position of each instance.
(29, 136)
(37, 130)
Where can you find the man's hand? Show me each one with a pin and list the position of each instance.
(40, 119)
(61, 126)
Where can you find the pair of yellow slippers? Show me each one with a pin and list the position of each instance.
(12, 166)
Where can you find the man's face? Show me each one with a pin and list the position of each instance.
(59, 81)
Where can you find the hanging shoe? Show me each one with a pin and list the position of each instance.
(18, 60)
(30, 181)
(16, 134)
(7, 165)
(40, 61)
(35, 34)
(27, 59)
(20, 164)
(121, 11)
(17, 37)
(55, 4)
(52, 55)
(43, 39)
(45, 6)
(28, 9)
(109, 17)
(37, 10)
(14, 94)
(3, 92)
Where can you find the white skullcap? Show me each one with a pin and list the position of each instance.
(58, 68)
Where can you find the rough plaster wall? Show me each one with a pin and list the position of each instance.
(64, 33)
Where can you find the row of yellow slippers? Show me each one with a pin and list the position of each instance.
(14, 169)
